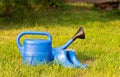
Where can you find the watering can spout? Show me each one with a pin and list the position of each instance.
(79, 34)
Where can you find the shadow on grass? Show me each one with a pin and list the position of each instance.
(66, 16)
(83, 57)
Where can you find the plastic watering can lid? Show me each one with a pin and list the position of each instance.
(37, 41)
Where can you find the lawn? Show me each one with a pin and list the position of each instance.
(100, 50)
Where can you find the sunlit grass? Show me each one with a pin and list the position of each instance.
(100, 50)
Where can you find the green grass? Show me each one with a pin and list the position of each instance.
(100, 50)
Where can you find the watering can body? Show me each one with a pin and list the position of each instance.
(38, 51)
(35, 51)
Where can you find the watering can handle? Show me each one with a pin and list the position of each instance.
(32, 33)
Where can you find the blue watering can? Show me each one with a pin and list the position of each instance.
(38, 51)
